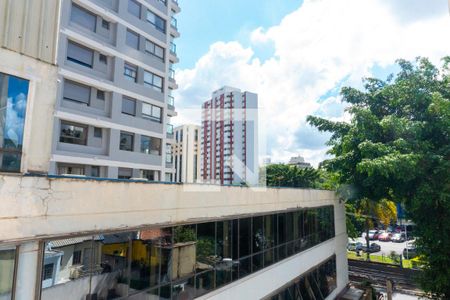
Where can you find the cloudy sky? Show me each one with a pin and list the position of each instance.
(296, 55)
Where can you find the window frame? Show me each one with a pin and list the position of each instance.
(152, 83)
(65, 138)
(131, 75)
(130, 134)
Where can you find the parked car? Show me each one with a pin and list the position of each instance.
(354, 246)
(374, 247)
(384, 237)
(377, 235)
(410, 251)
(372, 234)
(398, 237)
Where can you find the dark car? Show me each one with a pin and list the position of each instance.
(374, 247)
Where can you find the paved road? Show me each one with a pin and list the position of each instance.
(386, 247)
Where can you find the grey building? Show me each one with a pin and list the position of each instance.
(114, 103)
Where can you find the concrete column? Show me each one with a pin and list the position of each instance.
(27, 270)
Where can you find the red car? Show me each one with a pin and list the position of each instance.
(385, 237)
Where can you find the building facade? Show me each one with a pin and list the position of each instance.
(299, 162)
(167, 241)
(114, 98)
(229, 138)
(186, 154)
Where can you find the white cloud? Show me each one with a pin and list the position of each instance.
(316, 47)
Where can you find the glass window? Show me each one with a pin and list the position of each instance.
(153, 80)
(64, 169)
(98, 132)
(132, 39)
(103, 58)
(134, 8)
(150, 145)
(13, 104)
(169, 156)
(83, 17)
(105, 24)
(80, 54)
(158, 22)
(130, 72)
(149, 174)
(126, 141)
(125, 173)
(95, 171)
(48, 271)
(128, 106)
(100, 95)
(151, 112)
(7, 262)
(73, 133)
(154, 49)
(76, 92)
(245, 237)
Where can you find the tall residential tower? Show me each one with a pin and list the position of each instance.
(114, 99)
(230, 138)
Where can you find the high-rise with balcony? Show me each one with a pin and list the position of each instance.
(186, 153)
(229, 138)
(114, 99)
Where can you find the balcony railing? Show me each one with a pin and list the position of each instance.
(172, 74)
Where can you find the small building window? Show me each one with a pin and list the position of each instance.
(105, 24)
(128, 106)
(126, 141)
(134, 8)
(154, 49)
(95, 171)
(76, 92)
(80, 54)
(76, 260)
(154, 81)
(100, 95)
(98, 132)
(83, 17)
(130, 72)
(150, 145)
(103, 59)
(125, 173)
(132, 39)
(158, 22)
(148, 174)
(151, 112)
(73, 133)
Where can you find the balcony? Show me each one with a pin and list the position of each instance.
(175, 6)
(171, 102)
(174, 27)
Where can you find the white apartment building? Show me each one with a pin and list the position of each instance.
(229, 138)
(114, 101)
(299, 162)
(186, 154)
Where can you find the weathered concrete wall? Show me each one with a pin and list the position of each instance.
(30, 27)
(39, 207)
(37, 139)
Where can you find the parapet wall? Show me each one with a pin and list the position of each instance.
(41, 207)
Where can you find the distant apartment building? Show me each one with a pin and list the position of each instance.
(114, 99)
(186, 153)
(229, 138)
(299, 162)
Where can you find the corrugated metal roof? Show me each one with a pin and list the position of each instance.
(73, 241)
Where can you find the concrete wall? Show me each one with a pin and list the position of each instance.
(39, 207)
(41, 100)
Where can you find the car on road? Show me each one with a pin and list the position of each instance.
(398, 237)
(374, 247)
(384, 237)
(410, 251)
(354, 246)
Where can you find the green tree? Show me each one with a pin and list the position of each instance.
(397, 147)
(281, 175)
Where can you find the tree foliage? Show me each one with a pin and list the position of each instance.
(280, 175)
(397, 147)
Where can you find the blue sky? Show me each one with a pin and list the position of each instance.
(297, 55)
(203, 22)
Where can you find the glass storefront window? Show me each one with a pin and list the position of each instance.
(13, 104)
(184, 261)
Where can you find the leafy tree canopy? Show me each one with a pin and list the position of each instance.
(397, 147)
